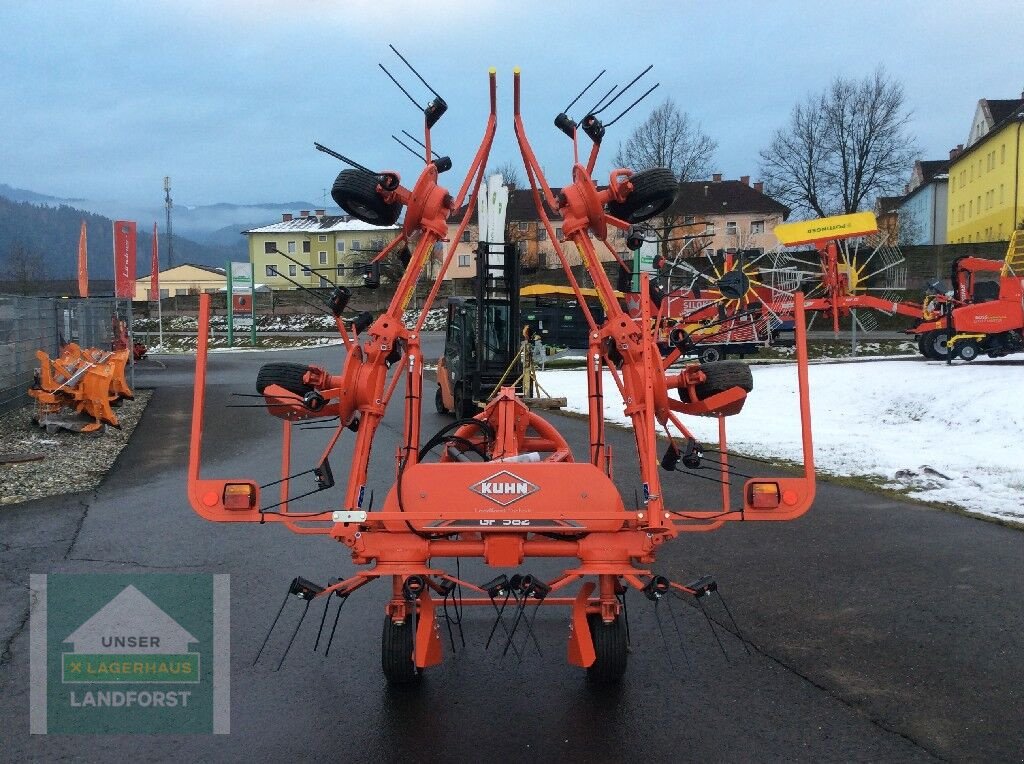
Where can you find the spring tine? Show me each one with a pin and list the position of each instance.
(448, 623)
(496, 620)
(337, 615)
(664, 639)
(272, 625)
(713, 630)
(289, 647)
(682, 644)
(406, 62)
(625, 613)
(323, 618)
(734, 624)
(529, 621)
(515, 625)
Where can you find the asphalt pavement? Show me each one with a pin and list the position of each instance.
(876, 629)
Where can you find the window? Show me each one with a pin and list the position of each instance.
(291, 248)
(1001, 198)
(524, 226)
(730, 228)
(306, 246)
(324, 282)
(1000, 232)
(970, 209)
(355, 245)
(291, 270)
(689, 220)
(341, 270)
(1002, 154)
(306, 271)
(542, 233)
(709, 229)
(340, 246)
(463, 261)
(558, 234)
(269, 247)
(757, 226)
(323, 257)
(322, 237)
(180, 291)
(271, 270)
(465, 236)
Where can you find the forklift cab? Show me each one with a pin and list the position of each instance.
(481, 339)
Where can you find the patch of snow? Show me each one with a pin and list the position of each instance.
(950, 434)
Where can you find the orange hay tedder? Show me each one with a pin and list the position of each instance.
(506, 486)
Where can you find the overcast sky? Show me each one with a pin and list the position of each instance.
(101, 99)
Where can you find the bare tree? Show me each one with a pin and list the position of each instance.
(24, 269)
(509, 173)
(669, 138)
(841, 147)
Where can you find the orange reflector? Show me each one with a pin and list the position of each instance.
(764, 495)
(239, 496)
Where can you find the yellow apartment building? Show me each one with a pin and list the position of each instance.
(182, 279)
(986, 178)
(316, 249)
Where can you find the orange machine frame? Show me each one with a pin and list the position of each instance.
(510, 507)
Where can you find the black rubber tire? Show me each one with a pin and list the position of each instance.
(611, 647)
(286, 375)
(709, 354)
(653, 192)
(355, 192)
(969, 350)
(921, 347)
(722, 375)
(935, 343)
(439, 402)
(396, 645)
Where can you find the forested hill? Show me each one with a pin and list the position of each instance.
(49, 235)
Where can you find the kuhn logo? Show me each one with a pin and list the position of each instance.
(504, 488)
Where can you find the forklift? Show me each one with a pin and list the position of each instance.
(482, 337)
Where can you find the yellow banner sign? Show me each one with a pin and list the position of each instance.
(823, 229)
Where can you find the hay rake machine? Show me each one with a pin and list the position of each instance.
(505, 487)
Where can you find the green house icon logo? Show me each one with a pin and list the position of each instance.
(130, 640)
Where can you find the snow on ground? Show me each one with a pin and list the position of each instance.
(951, 434)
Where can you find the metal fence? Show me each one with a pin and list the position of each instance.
(29, 324)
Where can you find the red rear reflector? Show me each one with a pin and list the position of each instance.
(764, 495)
(239, 496)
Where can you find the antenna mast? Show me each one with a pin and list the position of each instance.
(168, 204)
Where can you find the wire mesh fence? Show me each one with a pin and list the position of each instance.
(31, 324)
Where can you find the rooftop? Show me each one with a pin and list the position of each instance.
(311, 224)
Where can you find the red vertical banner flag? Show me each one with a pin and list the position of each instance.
(83, 263)
(154, 274)
(125, 239)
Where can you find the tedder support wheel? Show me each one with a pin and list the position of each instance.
(721, 375)
(286, 375)
(439, 402)
(355, 192)
(611, 647)
(922, 347)
(396, 647)
(969, 350)
(653, 192)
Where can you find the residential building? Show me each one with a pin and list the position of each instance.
(922, 213)
(887, 215)
(182, 279)
(986, 180)
(725, 214)
(314, 250)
